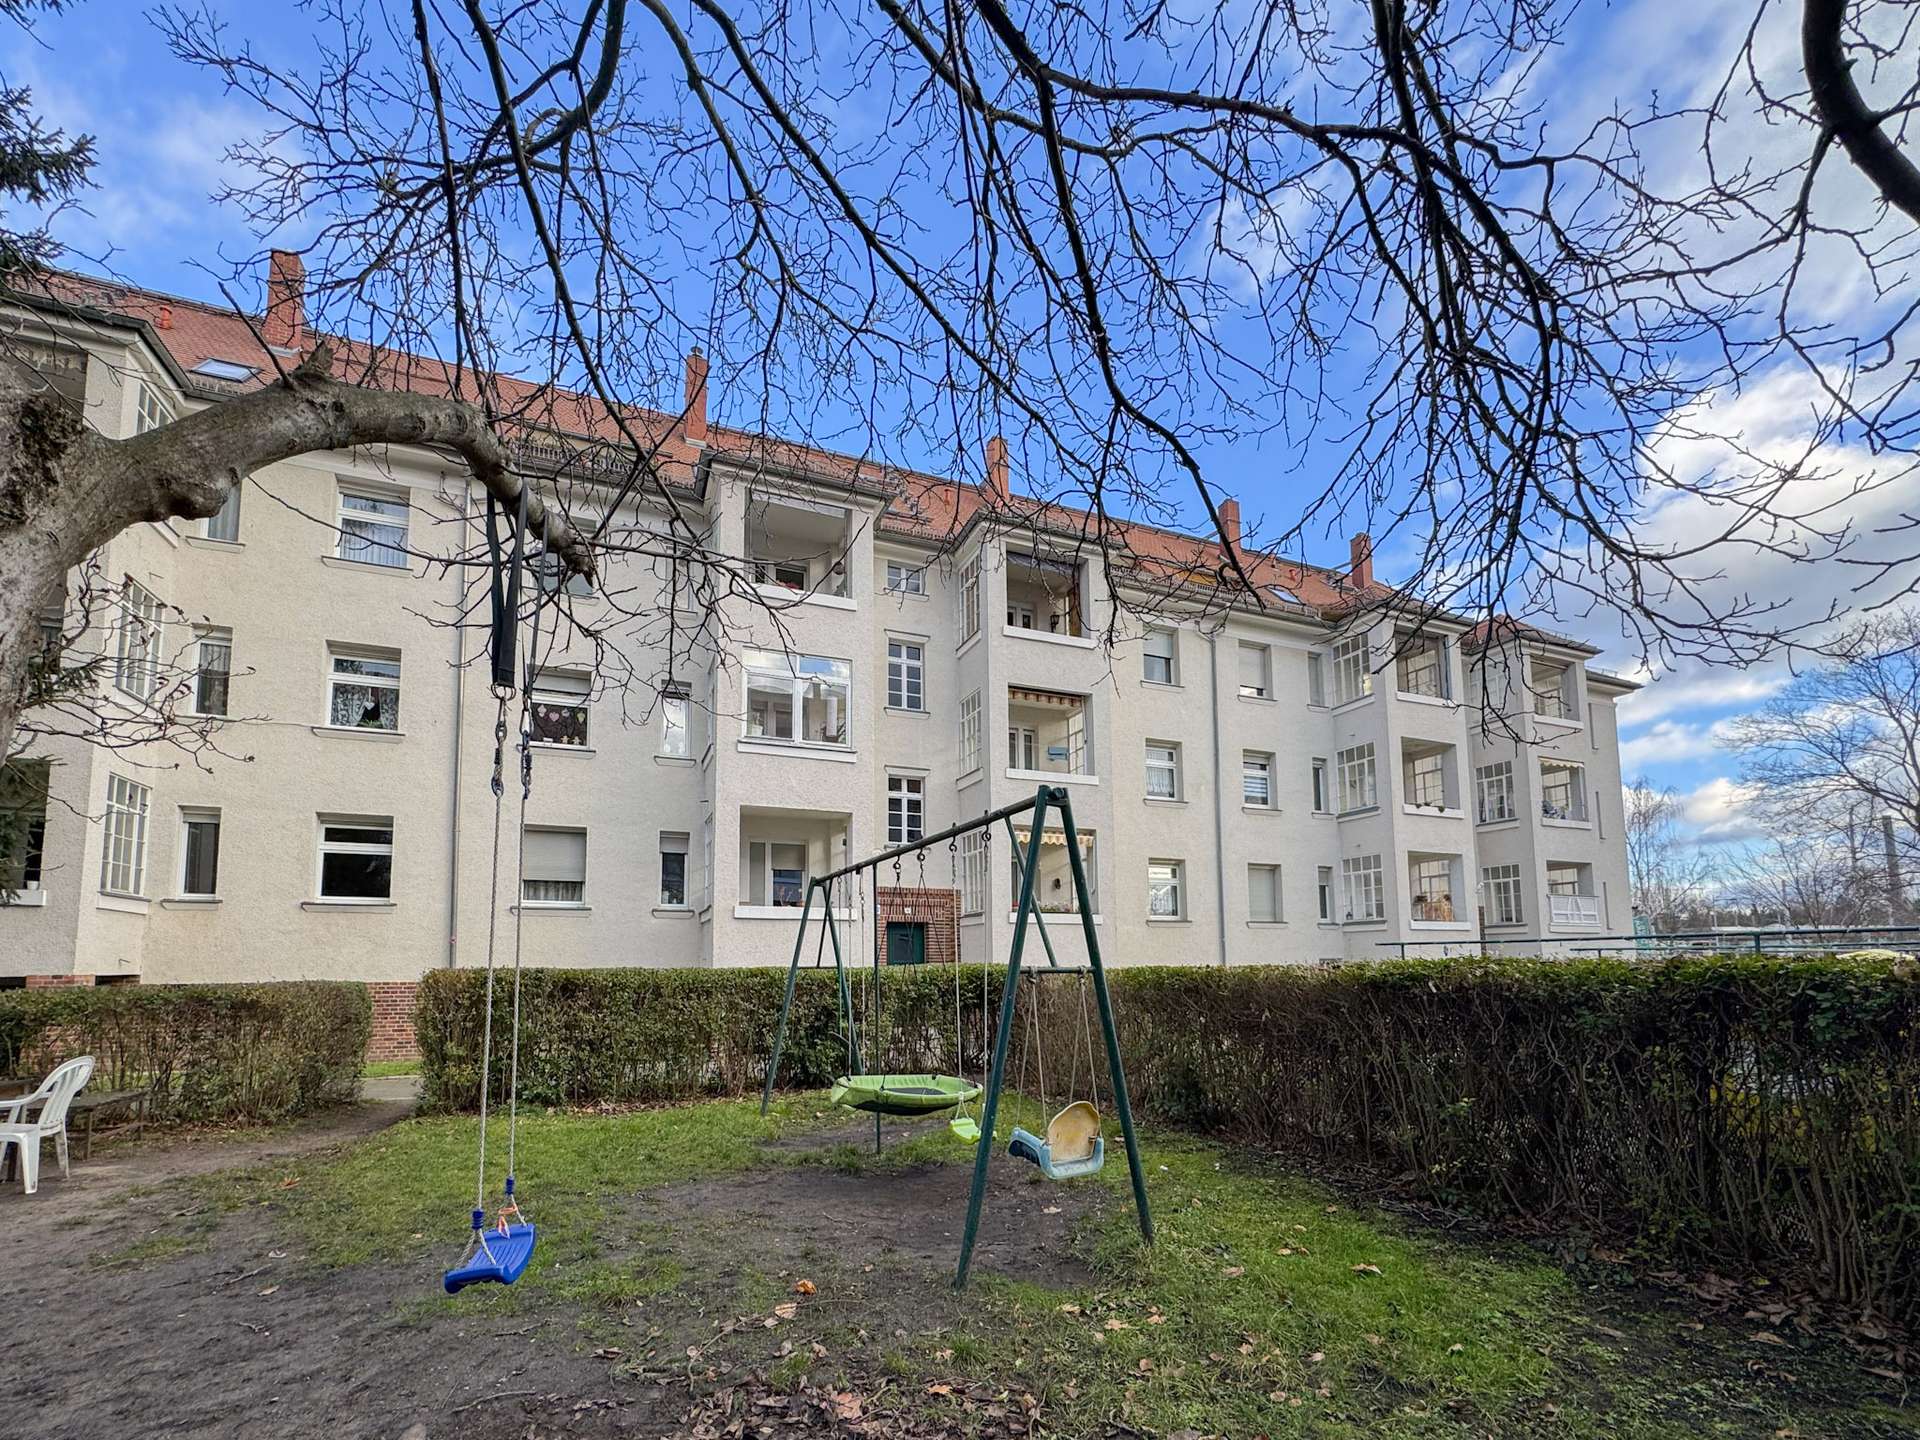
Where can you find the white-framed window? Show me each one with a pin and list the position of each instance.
(212, 671)
(1322, 788)
(1165, 900)
(905, 579)
(554, 866)
(1493, 792)
(776, 873)
(1425, 667)
(1430, 887)
(1263, 894)
(1256, 678)
(1256, 779)
(676, 733)
(1160, 659)
(372, 525)
(224, 523)
(1501, 886)
(363, 688)
(1323, 892)
(136, 667)
(557, 712)
(123, 851)
(970, 599)
(549, 568)
(973, 872)
(906, 675)
(150, 410)
(356, 858)
(1163, 770)
(1366, 894)
(906, 809)
(1427, 779)
(969, 732)
(1357, 781)
(673, 869)
(788, 574)
(1563, 790)
(1023, 747)
(1316, 678)
(23, 810)
(1019, 615)
(199, 851)
(706, 862)
(800, 699)
(1352, 674)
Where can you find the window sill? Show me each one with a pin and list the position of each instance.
(534, 907)
(25, 899)
(1072, 642)
(844, 754)
(1435, 812)
(1051, 777)
(1358, 812)
(1555, 824)
(779, 912)
(1161, 685)
(1257, 699)
(1507, 824)
(1363, 925)
(336, 903)
(888, 593)
(1571, 928)
(550, 747)
(1165, 799)
(189, 902)
(1556, 722)
(1440, 702)
(684, 762)
(125, 904)
(1455, 925)
(1324, 814)
(1169, 920)
(1506, 925)
(682, 911)
(1050, 916)
(207, 542)
(1246, 809)
(366, 567)
(359, 732)
(805, 597)
(1266, 924)
(919, 714)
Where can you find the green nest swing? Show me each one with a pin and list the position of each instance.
(903, 1094)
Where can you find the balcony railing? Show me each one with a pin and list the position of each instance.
(1564, 805)
(1582, 910)
(1433, 907)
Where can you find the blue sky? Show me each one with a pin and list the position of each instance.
(162, 127)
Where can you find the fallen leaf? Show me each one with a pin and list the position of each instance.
(846, 1405)
(1455, 1348)
(1051, 1210)
(939, 1389)
(1234, 1272)
(1609, 1332)
(607, 1352)
(281, 1254)
(1145, 1366)
(943, 1355)
(786, 1310)
(803, 1287)
(1767, 1337)
(1316, 1357)
(270, 1289)
(1156, 1319)
(1366, 1269)
(1114, 1322)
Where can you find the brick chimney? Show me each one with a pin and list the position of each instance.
(1361, 572)
(1230, 521)
(285, 326)
(696, 408)
(997, 468)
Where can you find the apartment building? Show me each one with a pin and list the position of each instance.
(1312, 773)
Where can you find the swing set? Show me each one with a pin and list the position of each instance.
(1072, 1146)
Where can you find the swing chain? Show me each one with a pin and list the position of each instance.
(499, 749)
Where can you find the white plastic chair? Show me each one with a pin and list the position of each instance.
(49, 1104)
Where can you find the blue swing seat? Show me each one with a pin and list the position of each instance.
(502, 1259)
(1030, 1147)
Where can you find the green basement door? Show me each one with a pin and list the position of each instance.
(906, 942)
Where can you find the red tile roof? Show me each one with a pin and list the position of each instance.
(921, 506)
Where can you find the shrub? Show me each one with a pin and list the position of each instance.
(206, 1053)
(625, 1035)
(1740, 1112)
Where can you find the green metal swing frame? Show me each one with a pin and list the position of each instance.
(1045, 798)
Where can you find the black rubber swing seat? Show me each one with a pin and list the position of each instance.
(903, 1094)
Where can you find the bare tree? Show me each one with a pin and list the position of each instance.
(1835, 758)
(1670, 876)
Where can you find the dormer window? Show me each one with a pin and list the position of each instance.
(214, 368)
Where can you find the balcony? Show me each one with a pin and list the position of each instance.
(1044, 597)
(1429, 779)
(799, 549)
(1432, 883)
(1053, 892)
(1552, 687)
(1563, 792)
(1422, 670)
(780, 851)
(1047, 735)
(1575, 911)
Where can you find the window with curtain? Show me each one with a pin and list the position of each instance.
(1158, 665)
(554, 867)
(673, 869)
(1357, 779)
(199, 852)
(373, 527)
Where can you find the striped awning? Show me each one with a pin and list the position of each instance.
(1018, 695)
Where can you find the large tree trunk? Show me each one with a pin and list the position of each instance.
(65, 490)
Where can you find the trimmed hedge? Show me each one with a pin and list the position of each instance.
(1737, 1112)
(590, 1036)
(206, 1053)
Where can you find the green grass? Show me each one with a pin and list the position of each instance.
(1267, 1306)
(382, 1069)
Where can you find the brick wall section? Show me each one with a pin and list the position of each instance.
(393, 1037)
(51, 982)
(938, 910)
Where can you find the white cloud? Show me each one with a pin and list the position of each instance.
(1668, 741)
(1717, 812)
(1700, 689)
